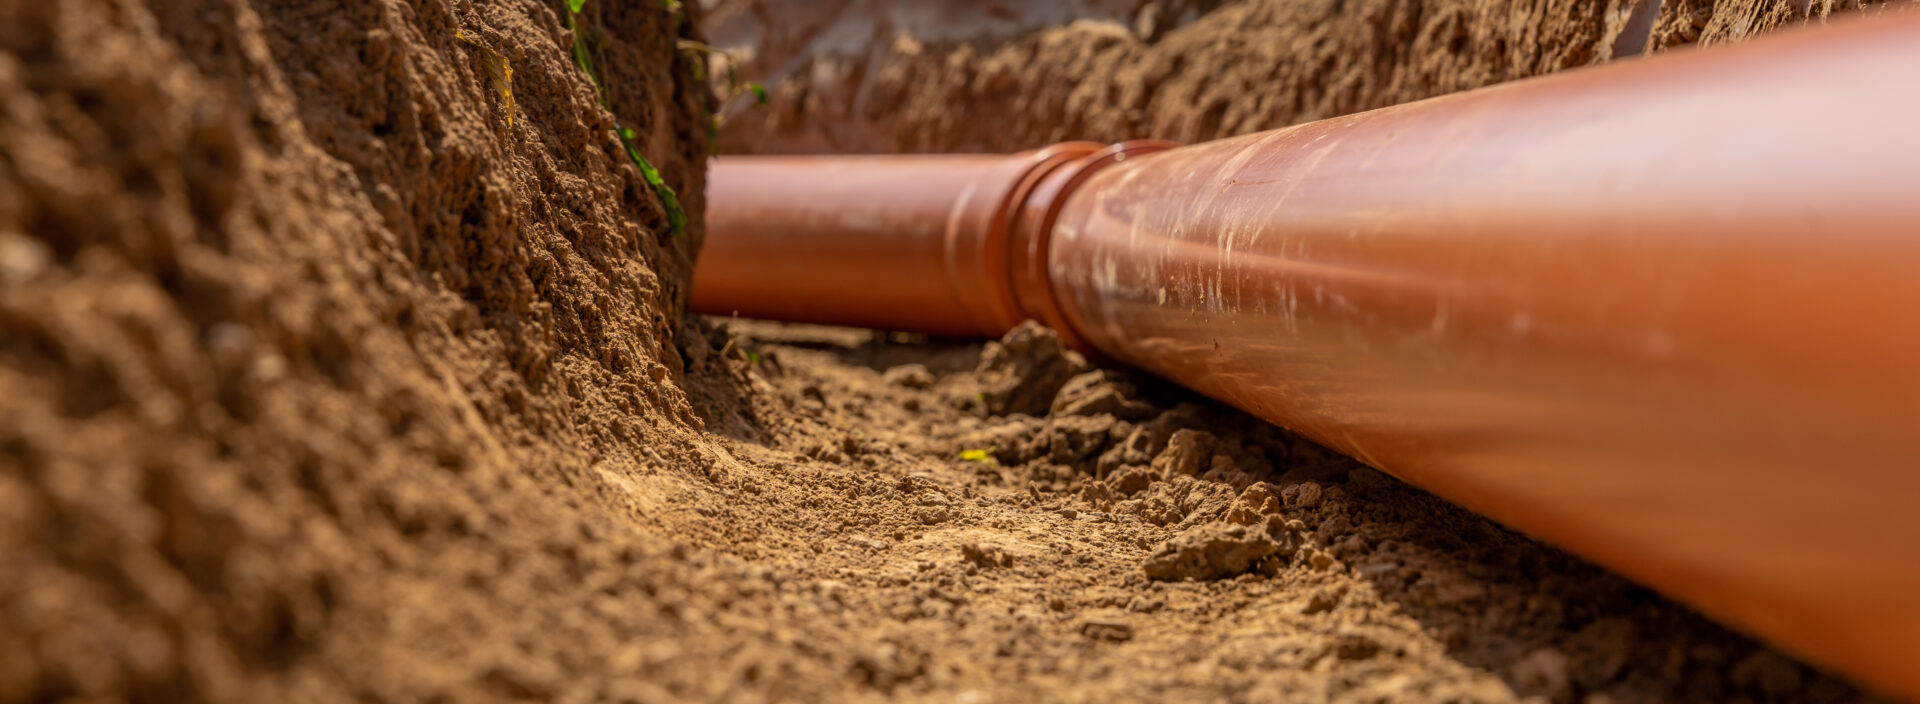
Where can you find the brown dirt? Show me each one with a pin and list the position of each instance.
(1131, 541)
(843, 81)
(321, 380)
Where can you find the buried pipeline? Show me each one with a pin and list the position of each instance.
(1664, 313)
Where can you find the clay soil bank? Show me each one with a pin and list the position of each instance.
(337, 363)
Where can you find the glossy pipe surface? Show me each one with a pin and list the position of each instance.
(898, 242)
(1665, 314)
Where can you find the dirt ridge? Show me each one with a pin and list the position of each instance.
(1185, 72)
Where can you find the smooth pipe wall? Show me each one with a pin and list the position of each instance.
(859, 240)
(897, 242)
(1665, 314)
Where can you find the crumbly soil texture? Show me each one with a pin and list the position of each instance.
(939, 76)
(342, 359)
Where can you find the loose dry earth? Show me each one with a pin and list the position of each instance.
(1001, 76)
(329, 370)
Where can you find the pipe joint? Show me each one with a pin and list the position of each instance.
(981, 238)
(1034, 217)
(945, 244)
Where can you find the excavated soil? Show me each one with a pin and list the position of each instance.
(325, 368)
(337, 363)
(898, 75)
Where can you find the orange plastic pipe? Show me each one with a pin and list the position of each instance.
(898, 242)
(1665, 313)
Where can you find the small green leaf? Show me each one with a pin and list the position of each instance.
(582, 57)
(977, 456)
(753, 357)
(759, 92)
(674, 16)
(676, 215)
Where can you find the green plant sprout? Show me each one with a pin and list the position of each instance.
(676, 215)
(583, 58)
(735, 88)
(978, 455)
(674, 15)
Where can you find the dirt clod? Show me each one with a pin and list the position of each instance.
(1100, 392)
(1021, 373)
(1185, 454)
(1214, 551)
(1132, 480)
(1301, 495)
(1255, 504)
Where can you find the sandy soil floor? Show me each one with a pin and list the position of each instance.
(339, 362)
(1000, 522)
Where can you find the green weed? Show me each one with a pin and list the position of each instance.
(735, 88)
(982, 456)
(675, 15)
(583, 58)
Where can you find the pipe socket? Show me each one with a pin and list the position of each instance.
(942, 244)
